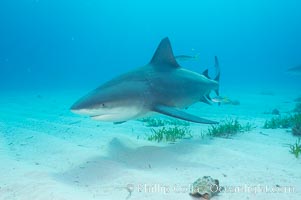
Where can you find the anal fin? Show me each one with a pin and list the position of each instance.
(174, 112)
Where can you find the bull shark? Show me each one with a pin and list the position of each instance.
(161, 86)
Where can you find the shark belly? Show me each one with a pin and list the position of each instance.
(119, 114)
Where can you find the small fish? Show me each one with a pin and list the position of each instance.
(186, 58)
(225, 100)
(219, 99)
(298, 99)
(295, 70)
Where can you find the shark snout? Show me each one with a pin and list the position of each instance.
(81, 110)
(78, 109)
(76, 106)
(91, 106)
(82, 107)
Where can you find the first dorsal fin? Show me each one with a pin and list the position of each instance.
(163, 56)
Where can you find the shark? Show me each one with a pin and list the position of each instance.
(162, 86)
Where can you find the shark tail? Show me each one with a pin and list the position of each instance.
(218, 72)
(206, 98)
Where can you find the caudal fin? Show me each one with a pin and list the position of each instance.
(218, 72)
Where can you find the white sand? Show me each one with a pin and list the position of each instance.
(46, 153)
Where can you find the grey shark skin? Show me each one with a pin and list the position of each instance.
(161, 86)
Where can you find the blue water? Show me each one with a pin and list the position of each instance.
(51, 44)
(54, 51)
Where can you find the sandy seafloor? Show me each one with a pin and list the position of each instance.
(46, 152)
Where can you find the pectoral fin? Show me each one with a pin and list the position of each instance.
(174, 112)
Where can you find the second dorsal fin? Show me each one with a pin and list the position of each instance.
(163, 57)
(205, 73)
